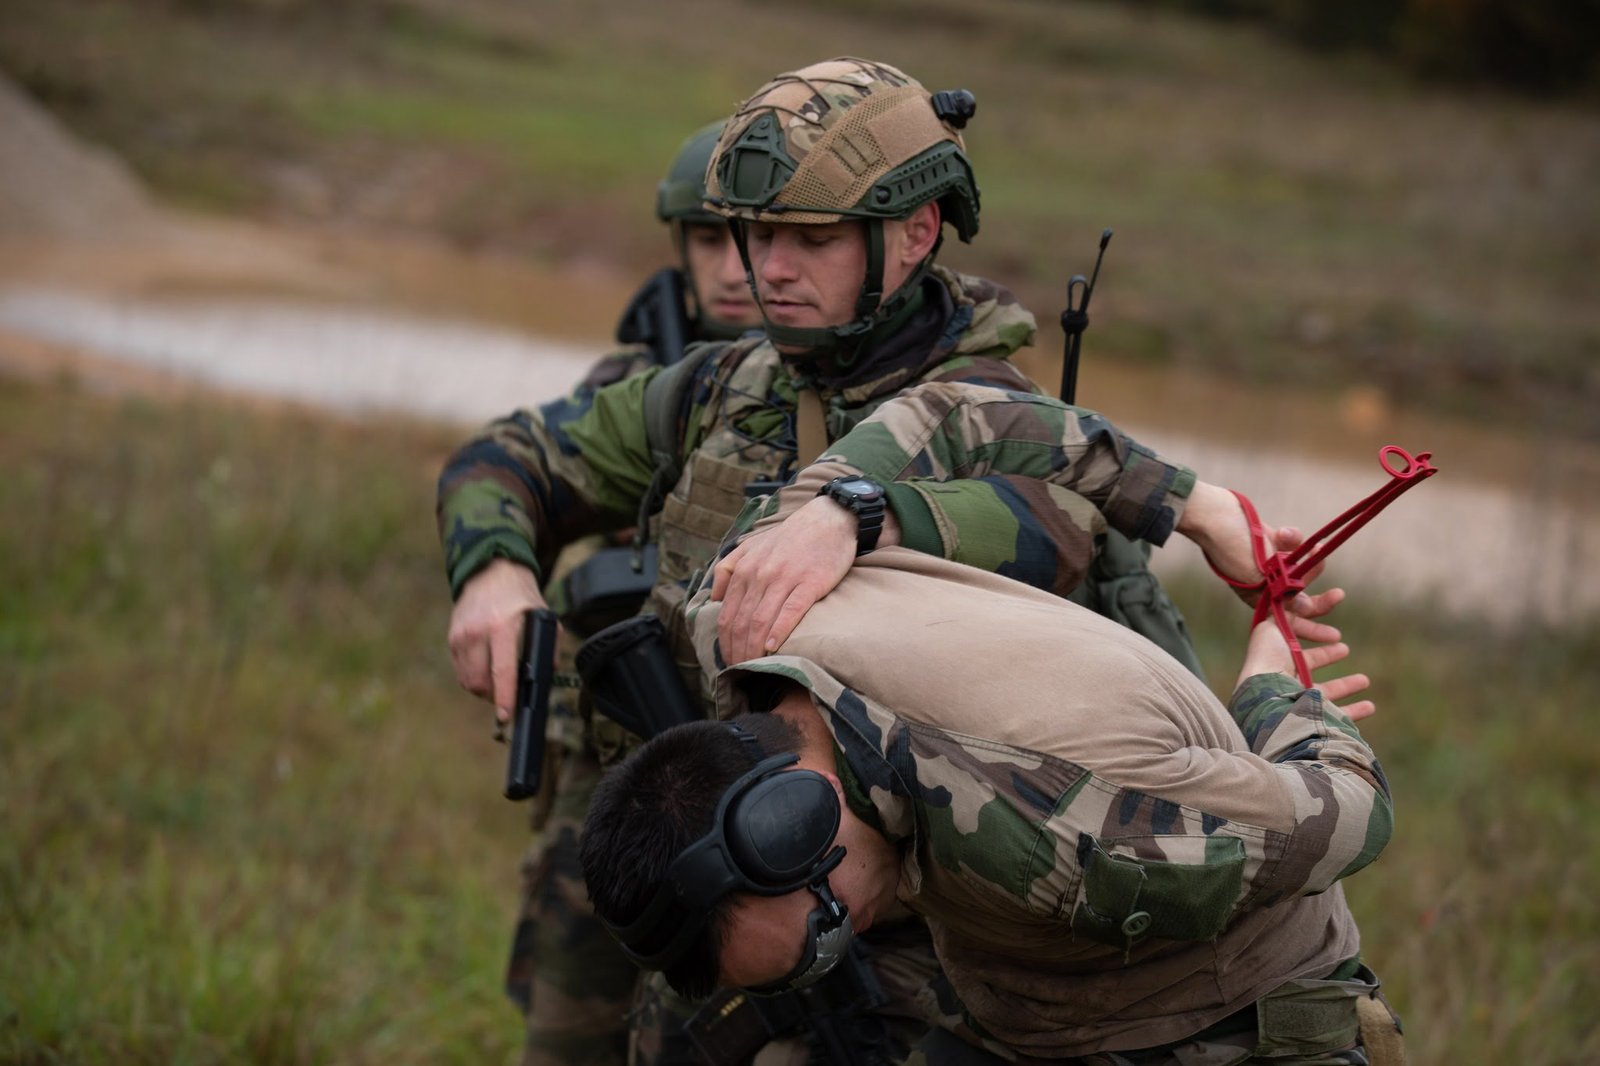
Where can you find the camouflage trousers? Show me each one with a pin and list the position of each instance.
(567, 974)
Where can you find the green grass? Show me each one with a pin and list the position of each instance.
(246, 816)
(1281, 216)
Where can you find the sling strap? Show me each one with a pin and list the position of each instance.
(1284, 572)
(810, 427)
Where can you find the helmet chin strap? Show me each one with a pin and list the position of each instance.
(841, 345)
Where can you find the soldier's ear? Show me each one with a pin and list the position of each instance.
(921, 234)
(838, 786)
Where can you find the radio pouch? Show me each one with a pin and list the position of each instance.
(605, 588)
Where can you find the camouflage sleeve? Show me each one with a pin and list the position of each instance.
(1015, 483)
(532, 482)
(1226, 833)
(1343, 812)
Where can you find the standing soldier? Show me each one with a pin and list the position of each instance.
(837, 179)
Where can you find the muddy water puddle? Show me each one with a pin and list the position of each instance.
(1508, 528)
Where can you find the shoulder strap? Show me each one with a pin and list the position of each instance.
(664, 398)
(810, 428)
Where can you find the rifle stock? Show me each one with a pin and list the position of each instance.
(656, 317)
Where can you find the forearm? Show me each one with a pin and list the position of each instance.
(1029, 530)
(534, 481)
(923, 441)
(1212, 518)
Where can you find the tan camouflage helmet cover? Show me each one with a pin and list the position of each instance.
(845, 138)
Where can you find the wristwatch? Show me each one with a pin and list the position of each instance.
(864, 498)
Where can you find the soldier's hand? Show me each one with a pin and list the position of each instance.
(769, 582)
(1268, 652)
(1216, 522)
(485, 634)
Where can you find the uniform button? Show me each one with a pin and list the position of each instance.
(1137, 924)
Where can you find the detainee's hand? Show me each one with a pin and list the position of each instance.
(1269, 653)
(485, 634)
(1215, 520)
(769, 582)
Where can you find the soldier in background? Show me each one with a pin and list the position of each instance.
(704, 298)
(558, 973)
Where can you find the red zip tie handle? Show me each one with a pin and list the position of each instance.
(1284, 573)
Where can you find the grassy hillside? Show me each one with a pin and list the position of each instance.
(1278, 216)
(245, 816)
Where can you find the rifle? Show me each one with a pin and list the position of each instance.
(1074, 320)
(655, 316)
(535, 672)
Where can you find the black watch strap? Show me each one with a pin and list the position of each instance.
(864, 498)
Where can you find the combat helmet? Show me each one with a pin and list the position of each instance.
(681, 194)
(680, 201)
(845, 138)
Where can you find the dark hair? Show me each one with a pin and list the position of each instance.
(656, 803)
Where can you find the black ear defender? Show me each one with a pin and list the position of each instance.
(772, 834)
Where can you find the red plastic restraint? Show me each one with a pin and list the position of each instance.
(1284, 572)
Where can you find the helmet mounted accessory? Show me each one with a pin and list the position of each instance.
(772, 833)
(845, 139)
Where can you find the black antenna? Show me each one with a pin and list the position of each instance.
(1075, 319)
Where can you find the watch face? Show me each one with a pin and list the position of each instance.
(859, 487)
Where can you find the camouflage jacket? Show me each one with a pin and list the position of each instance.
(539, 479)
(1107, 857)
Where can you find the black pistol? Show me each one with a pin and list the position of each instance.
(535, 670)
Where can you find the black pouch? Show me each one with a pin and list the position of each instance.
(629, 674)
(605, 589)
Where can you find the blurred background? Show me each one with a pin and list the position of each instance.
(263, 263)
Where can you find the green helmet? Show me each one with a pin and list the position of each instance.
(680, 195)
(846, 139)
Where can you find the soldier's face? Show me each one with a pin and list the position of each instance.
(810, 276)
(718, 275)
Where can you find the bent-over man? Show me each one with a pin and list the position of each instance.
(1113, 864)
